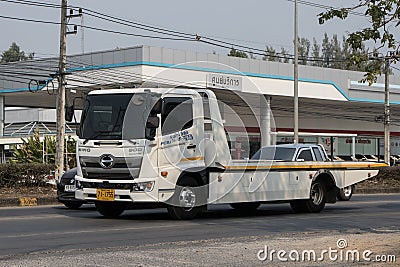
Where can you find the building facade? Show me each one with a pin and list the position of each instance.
(256, 96)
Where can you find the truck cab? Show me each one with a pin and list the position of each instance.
(136, 145)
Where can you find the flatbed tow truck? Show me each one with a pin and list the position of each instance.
(168, 147)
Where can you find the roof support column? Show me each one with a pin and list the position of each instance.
(265, 120)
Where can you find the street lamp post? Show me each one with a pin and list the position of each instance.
(296, 78)
(386, 120)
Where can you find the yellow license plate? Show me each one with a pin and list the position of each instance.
(105, 194)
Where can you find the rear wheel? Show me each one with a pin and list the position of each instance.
(110, 209)
(346, 193)
(245, 207)
(74, 205)
(315, 203)
(317, 200)
(185, 201)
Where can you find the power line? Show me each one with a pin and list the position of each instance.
(312, 4)
(163, 31)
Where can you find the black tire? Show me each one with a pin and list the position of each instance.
(177, 209)
(346, 193)
(110, 209)
(315, 203)
(74, 205)
(297, 206)
(246, 207)
(317, 200)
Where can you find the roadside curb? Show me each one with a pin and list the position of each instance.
(27, 201)
(377, 191)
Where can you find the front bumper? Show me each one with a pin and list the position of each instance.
(123, 189)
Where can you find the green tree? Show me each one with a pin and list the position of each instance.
(285, 55)
(270, 54)
(236, 53)
(303, 50)
(315, 54)
(32, 148)
(383, 20)
(326, 51)
(336, 52)
(14, 53)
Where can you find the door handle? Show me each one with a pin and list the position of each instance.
(191, 146)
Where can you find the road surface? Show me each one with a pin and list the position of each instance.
(45, 235)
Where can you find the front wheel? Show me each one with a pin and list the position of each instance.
(245, 207)
(346, 193)
(110, 209)
(74, 205)
(185, 201)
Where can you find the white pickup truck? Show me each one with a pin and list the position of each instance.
(167, 147)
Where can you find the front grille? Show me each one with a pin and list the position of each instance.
(107, 185)
(106, 175)
(122, 168)
(97, 165)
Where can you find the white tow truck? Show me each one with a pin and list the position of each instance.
(168, 147)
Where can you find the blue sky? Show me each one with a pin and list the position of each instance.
(251, 23)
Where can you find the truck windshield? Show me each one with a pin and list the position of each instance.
(275, 153)
(114, 117)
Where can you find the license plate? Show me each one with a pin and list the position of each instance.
(105, 194)
(69, 188)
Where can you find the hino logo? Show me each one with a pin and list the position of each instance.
(107, 161)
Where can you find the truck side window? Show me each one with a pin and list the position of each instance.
(317, 154)
(305, 155)
(176, 114)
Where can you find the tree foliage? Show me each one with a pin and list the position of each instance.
(237, 53)
(270, 54)
(14, 53)
(32, 148)
(384, 18)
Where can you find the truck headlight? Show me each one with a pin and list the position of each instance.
(144, 186)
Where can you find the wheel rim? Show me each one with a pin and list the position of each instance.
(317, 194)
(347, 191)
(187, 198)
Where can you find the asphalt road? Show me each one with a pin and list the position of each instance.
(32, 230)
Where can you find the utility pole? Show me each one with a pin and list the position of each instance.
(62, 67)
(60, 140)
(296, 77)
(387, 112)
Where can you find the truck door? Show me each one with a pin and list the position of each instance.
(181, 128)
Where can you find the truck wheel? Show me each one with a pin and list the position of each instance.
(110, 209)
(317, 200)
(346, 193)
(245, 207)
(297, 205)
(184, 203)
(72, 204)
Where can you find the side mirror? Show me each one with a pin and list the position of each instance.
(153, 122)
(69, 113)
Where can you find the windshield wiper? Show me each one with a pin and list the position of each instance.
(97, 134)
